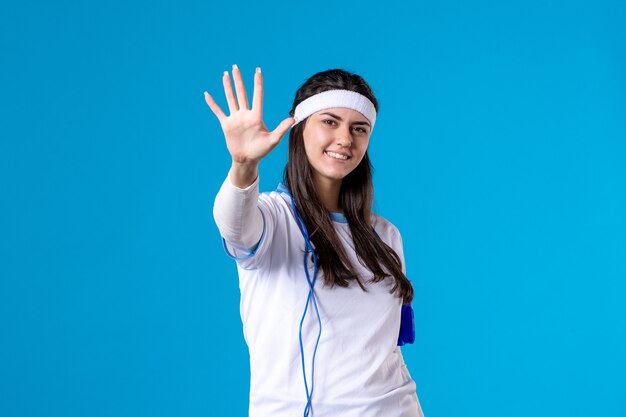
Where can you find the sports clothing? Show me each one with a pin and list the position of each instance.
(359, 369)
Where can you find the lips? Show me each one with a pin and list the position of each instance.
(337, 155)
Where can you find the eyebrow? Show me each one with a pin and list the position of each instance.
(339, 118)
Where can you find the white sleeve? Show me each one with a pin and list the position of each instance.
(399, 248)
(236, 214)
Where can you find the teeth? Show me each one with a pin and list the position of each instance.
(336, 155)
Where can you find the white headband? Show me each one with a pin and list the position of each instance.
(336, 98)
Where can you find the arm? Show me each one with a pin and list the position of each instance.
(236, 214)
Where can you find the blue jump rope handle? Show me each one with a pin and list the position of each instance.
(407, 326)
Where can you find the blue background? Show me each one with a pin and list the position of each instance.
(500, 154)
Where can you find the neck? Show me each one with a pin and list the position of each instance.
(328, 192)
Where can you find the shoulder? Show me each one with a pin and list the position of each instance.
(386, 230)
(277, 209)
(390, 234)
(381, 223)
(274, 201)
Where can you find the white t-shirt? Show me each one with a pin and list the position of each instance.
(359, 370)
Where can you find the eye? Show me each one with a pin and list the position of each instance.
(328, 120)
(362, 130)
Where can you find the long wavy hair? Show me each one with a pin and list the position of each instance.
(355, 199)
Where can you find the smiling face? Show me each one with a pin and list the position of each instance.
(335, 141)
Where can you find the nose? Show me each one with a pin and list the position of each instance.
(344, 138)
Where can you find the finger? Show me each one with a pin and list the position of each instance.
(277, 134)
(214, 107)
(228, 91)
(242, 98)
(257, 96)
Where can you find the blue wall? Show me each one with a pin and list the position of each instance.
(500, 153)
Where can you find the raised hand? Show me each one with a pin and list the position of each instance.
(247, 138)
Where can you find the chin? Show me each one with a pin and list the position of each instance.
(337, 175)
(334, 173)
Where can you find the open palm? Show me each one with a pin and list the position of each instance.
(247, 138)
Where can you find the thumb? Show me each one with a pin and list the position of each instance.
(281, 129)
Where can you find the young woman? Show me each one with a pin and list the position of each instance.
(324, 294)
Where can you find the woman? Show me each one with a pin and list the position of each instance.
(322, 278)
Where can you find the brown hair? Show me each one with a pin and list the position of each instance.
(355, 198)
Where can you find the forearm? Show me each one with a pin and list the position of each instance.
(235, 208)
(242, 175)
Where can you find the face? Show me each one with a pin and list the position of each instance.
(335, 141)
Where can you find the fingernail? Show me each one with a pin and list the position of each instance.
(258, 69)
(226, 73)
(235, 66)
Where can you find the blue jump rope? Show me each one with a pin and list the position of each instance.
(407, 324)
